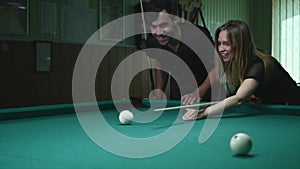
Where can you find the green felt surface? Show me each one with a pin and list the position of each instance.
(59, 141)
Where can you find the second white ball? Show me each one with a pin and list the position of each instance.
(125, 117)
(241, 144)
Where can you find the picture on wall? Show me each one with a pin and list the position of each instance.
(14, 15)
(110, 10)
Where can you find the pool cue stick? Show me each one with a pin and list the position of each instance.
(186, 106)
(149, 61)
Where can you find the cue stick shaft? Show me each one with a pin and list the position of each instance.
(186, 106)
(143, 18)
(145, 35)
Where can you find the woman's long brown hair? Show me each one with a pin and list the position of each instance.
(243, 47)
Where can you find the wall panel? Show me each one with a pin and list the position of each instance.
(217, 12)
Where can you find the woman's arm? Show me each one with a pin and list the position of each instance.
(246, 89)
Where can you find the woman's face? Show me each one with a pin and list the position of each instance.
(224, 46)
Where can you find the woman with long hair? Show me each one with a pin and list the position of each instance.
(248, 71)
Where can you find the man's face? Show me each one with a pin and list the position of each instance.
(162, 28)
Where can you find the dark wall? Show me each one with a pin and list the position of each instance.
(23, 86)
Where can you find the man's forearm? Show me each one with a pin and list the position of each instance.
(160, 79)
(206, 85)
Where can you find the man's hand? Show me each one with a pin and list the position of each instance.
(190, 98)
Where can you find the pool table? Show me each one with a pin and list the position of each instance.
(53, 137)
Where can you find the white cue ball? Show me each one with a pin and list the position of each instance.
(241, 144)
(125, 117)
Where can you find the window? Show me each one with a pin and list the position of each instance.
(286, 35)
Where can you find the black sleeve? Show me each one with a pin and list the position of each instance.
(256, 71)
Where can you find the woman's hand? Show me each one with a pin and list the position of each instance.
(254, 100)
(190, 98)
(193, 114)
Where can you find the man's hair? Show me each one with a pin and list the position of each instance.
(157, 6)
